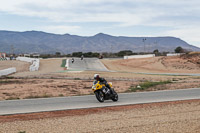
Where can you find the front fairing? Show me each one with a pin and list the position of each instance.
(96, 86)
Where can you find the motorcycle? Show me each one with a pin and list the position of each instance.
(103, 93)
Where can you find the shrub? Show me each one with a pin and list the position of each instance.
(146, 85)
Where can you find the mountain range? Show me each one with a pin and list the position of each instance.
(48, 43)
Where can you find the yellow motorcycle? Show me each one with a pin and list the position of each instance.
(103, 93)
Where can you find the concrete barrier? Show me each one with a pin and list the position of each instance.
(35, 63)
(139, 56)
(26, 59)
(8, 71)
(67, 63)
(175, 54)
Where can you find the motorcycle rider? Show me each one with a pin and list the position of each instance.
(72, 60)
(103, 81)
(82, 57)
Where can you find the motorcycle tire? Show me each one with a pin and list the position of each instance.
(115, 97)
(100, 96)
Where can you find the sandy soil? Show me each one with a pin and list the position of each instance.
(156, 64)
(171, 117)
(47, 66)
(20, 66)
(51, 67)
(35, 88)
(52, 80)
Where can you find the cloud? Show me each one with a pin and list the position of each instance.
(128, 12)
(176, 15)
(190, 33)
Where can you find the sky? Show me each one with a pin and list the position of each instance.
(134, 18)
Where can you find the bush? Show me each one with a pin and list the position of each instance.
(146, 85)
(179, 50)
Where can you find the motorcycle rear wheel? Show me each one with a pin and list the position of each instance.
(99, 95)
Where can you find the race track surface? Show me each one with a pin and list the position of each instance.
(91, 64)
(80, 102)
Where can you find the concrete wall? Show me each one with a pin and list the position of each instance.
(175, 54)
(35, 63)
(8, 71)
(139, 56)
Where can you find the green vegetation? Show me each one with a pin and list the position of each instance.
(36, 96)
(88, 54)
(63, 63)
(179, 50)
(77, 79)
(61, 95)
(109, 54)
(22, 132)
(7, 81)
(146, 85)
(12, 98)
(124, 52)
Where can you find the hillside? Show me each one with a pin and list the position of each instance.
(41, 42)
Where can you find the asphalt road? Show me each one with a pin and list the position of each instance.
(90, 64)
(78, 102)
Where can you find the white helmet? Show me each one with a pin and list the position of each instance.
(96, 76)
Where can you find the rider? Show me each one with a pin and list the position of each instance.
(102, 81)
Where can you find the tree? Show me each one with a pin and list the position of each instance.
(179, 50)
(155, 51)
(58, 54)
(77, 54)
(124, 52)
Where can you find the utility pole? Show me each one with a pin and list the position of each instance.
(144, 39)
(12, 49)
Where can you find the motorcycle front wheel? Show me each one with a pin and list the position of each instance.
(99, 95)
(115, 97)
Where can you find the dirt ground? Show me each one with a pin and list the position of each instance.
(11, 89)
(35, 88)
(53, 81)
(174, 64)
(47, 67)
(20, 66)
(51, 67)
(169, 117)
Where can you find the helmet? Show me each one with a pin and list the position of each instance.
(96, 76)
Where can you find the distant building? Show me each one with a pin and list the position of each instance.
(3, 55)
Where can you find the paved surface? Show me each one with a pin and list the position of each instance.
(77, 102)
(91, 64)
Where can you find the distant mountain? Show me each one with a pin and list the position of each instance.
(41, 42)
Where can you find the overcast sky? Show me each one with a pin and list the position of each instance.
(136, 18)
